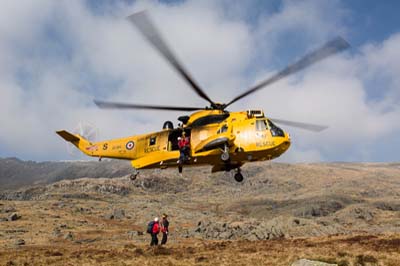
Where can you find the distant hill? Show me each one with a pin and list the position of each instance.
(15, 173)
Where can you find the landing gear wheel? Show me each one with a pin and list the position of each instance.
(238, 176)
(225, 156)
(225, 153)
(134, 175)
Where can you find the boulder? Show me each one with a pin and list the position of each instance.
(109, 216)
(363, 214)
(57, 232)
(7, 209)
(19, 242)
(226, 235)
(259, 233)
(69, 236)
(251, 237)
(14, 217)
(304, 262)
(119, 214)
(133, 234)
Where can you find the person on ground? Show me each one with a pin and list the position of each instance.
(164, 229)
(154, 232)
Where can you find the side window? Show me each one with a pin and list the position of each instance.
(223, 129)
(152, 141)
(261, 125)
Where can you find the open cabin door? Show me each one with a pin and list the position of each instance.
(173, 138)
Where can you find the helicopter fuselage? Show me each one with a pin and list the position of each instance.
(246, 136)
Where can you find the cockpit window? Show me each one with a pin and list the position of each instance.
(261, 125)
(275, 131)
(210, 119)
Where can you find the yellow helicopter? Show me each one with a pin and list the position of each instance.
(220, 138)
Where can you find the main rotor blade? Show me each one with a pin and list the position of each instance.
(306, 126)
(142, 21)
(330, 48)
(115, 105)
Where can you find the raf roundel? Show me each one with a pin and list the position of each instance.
(130, 145)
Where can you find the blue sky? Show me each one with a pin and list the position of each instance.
(60, 55)
(372, 20)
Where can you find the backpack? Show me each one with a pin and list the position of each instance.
(150, 227)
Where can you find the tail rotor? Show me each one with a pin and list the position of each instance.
(86, 130)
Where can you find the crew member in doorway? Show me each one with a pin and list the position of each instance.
(184, 148)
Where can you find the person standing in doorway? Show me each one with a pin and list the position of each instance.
(184, 148)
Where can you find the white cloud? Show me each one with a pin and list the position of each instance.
(383, 66)
(335, 93)
(58, 56)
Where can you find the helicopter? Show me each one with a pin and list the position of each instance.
(223, 139)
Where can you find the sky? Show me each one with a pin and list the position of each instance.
(57, 56)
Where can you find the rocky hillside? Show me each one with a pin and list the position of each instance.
(305, 209)
(276, 200)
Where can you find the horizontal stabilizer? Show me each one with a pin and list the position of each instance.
(67, 136)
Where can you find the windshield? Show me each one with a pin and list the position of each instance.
(275, 131)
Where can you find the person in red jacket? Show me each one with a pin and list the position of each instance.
(184, 148)
(154, 233)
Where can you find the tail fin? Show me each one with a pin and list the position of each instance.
(78, 141)
(68, 136)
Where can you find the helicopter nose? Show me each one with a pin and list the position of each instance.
(286, 142)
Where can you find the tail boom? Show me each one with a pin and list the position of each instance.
(118, 148)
